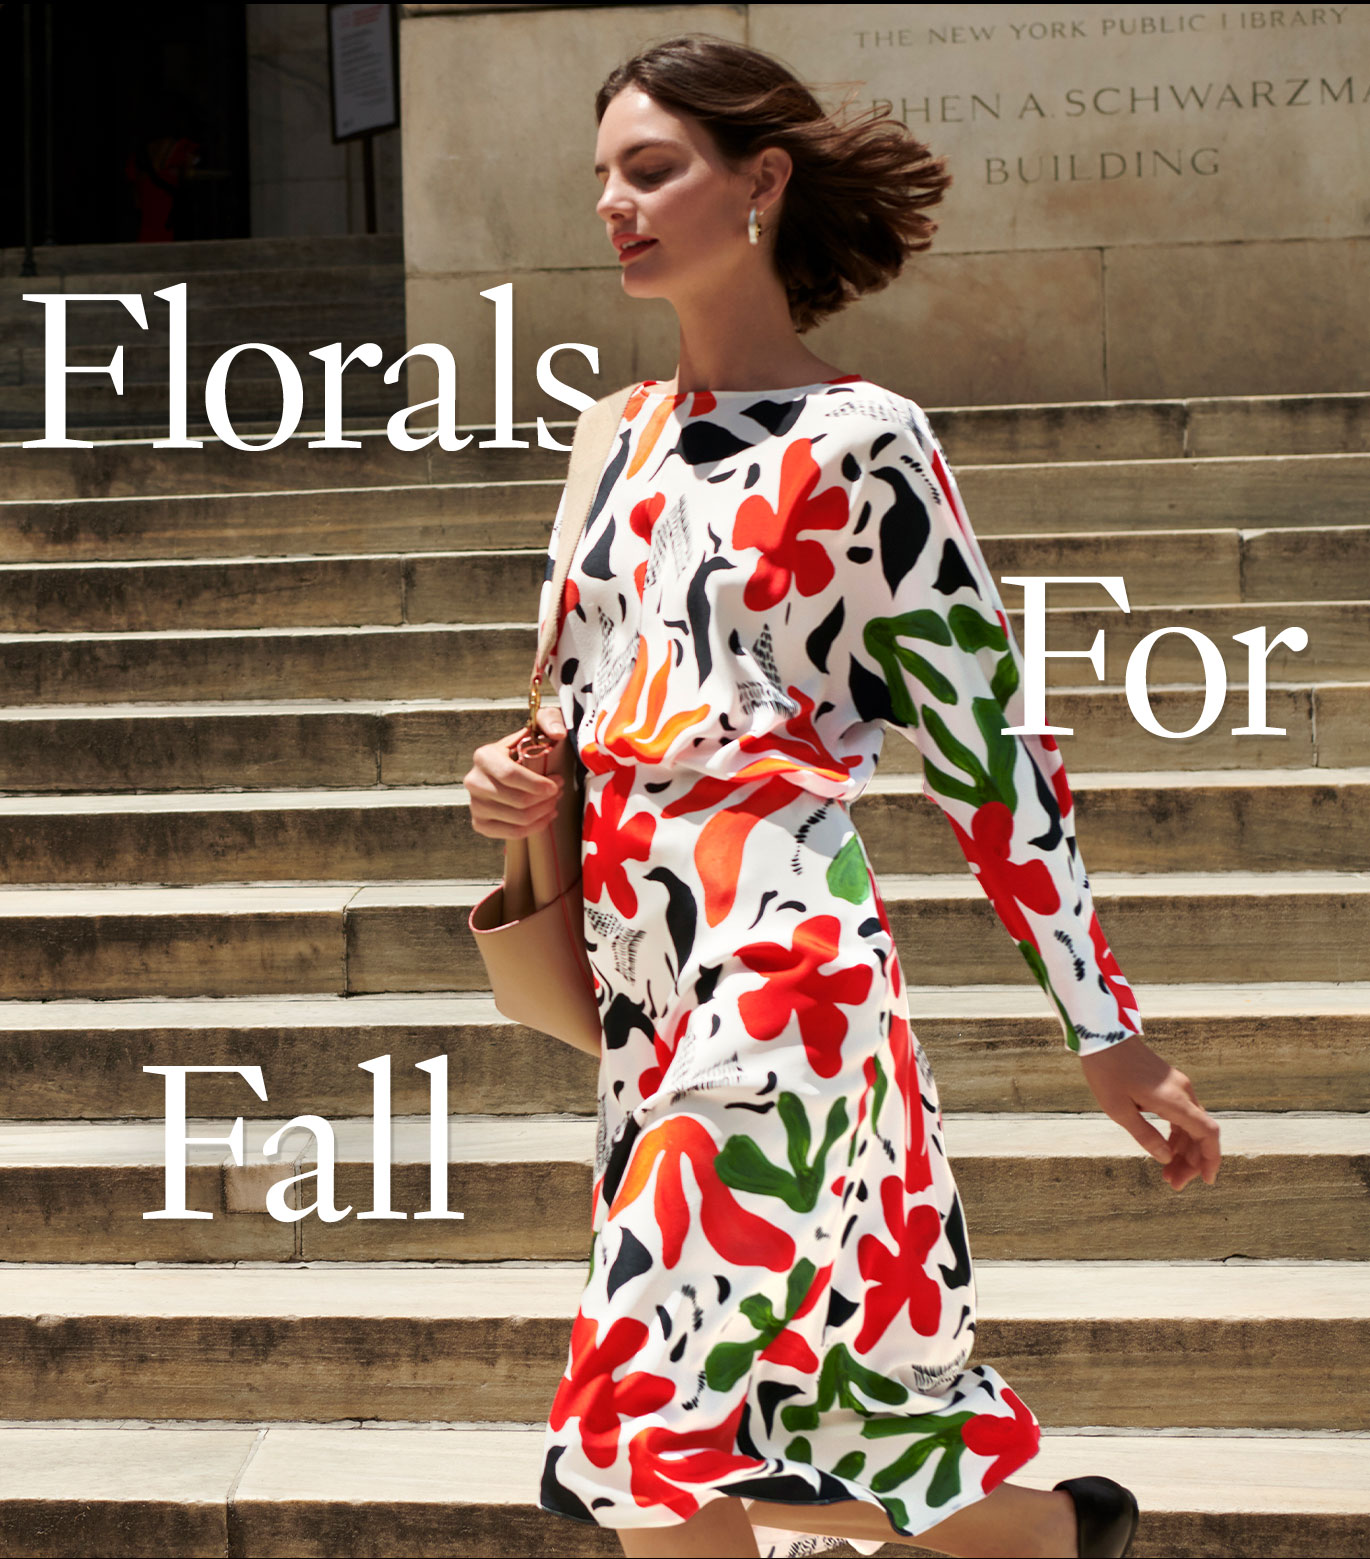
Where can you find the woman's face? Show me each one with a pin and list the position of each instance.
(664, 181)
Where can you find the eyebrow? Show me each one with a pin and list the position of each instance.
(637, 146)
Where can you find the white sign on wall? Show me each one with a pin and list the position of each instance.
(362, 69)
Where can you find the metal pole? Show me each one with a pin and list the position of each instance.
(27, 267)
(49, 202)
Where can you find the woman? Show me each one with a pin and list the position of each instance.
(777, 565)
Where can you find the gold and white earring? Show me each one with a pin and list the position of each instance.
(753, 228)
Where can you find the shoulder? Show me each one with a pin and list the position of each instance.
(869, 422)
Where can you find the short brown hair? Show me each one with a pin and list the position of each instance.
(852, 211)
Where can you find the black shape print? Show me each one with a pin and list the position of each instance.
(904, 527)
(954, 574)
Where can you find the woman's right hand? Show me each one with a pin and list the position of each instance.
(507, 800)
(1130, 1077)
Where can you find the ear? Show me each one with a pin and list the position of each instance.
(771, 174)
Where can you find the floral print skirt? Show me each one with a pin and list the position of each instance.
(780, 1303)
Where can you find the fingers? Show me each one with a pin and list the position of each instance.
(507, 799)
(512, 822)
(501, 771)
(1199, 1130)
(1184, 1164)
(1131, 1119)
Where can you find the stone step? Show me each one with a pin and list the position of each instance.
(357, 742)
(994, 1048)
(1240, 1344)
(465, 1491)
(185, 259)
(1218, 820)
(145, 358)
(1253, 492)
(122, 463)
(329, 522)
(483, 585)
(1290, 1187)
(971, 435)
(409, 660)
(350, 938)
(1199, 427)
(77, 1191)
(492, 660)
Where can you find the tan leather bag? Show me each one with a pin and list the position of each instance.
(530, 930)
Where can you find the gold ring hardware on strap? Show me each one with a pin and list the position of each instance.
(533, 741)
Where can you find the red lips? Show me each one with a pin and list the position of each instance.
(629, 245)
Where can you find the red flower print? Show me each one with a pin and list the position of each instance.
(1108, 966)
(789, 1347)
(775, 531)
(794, 986)
(1007, 883)
(589, 1392)
(896, 1276)
(1011, 1441)
(649, 1079)
(737, 1235)
(802, 744)
(657, 1464)
(917, 1164)
(610, 842)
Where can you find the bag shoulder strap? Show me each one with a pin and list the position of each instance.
(595, 429)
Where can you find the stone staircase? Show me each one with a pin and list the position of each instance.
(241, 692)
(292, 293)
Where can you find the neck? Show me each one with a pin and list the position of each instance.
(739, 336)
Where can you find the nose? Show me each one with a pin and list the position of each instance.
(613, 201)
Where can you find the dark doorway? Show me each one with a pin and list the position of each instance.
(148, 118)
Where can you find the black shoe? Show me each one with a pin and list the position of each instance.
(1105, 1516)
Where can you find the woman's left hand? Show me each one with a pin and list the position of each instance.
(1130, 1077)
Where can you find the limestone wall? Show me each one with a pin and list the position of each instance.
(1149, 200)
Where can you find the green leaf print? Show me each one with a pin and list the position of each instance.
(848, 875)
(741, 1164)
(838, 1381)
(799, 1449)
(941, 1435)
(972, 631)
(728, 1362)
(978, 790)
(1003, 754)
(880, 638)
(984, 785)
(850, 1466)
(1039, 973)
(1004, 683)
(898, 1513)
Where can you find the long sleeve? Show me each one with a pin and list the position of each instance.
(930, 651)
